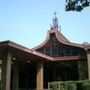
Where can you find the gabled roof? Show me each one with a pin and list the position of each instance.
(60, 37)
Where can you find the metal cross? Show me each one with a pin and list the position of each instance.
(55, 13)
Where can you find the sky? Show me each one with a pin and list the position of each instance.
(26, 22)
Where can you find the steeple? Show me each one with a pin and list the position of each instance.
(55, 21)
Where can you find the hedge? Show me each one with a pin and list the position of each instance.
(86, 85)
(70, 85)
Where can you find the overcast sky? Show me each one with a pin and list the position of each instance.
(26, 22)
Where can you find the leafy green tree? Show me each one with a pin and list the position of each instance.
(76, 5)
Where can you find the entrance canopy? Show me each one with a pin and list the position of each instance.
(21, 53)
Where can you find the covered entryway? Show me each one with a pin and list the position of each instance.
(21, 68)
(27, 76)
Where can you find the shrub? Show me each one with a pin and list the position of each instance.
(64, 86)
(72, 86)
(86, 85)
(54, 86)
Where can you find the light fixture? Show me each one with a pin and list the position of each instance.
(14, 58)
(28, 61)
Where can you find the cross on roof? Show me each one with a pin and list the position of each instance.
(55, 13)
(55, 21)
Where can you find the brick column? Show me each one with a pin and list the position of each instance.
(6, 71)
(88, 62)
(39, 76)
(15, 76)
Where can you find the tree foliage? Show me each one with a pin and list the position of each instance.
(76, 5)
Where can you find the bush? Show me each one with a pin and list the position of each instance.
(86, 85)
(54, 86)
(68, 86)
(64, 86)
(72, 86)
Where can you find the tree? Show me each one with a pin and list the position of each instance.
(76, 5)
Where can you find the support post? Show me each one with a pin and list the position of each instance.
(80, 72)
(48, 85)
(0, 75)
(82, 69)
(88, 62)
(54, 75)
(15, 76)
(39, 76)
(6, 71)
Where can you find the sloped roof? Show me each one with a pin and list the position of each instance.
(32, 54)
(61, 38)
(26, 54)
(21, 52)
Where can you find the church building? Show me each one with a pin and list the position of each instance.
(56, 59)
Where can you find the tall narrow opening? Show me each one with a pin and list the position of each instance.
(27, 76)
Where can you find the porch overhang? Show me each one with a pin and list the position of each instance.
(21, 52)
